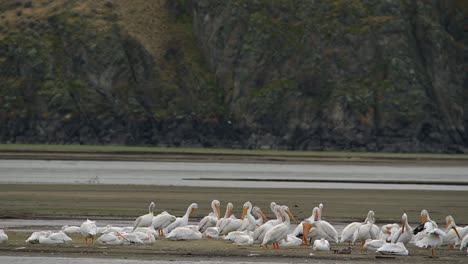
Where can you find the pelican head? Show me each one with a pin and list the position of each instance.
(291, 216)
(193, 208)
(229, 208)
(451, 224)
(246, 209)
(259, 211)
(424, 216)
(216, 205)
(307, 225)
(315, 213)
(404, 220)
(151, 207)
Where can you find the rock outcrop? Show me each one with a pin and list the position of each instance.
(312, 75)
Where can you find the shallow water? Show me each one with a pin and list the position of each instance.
(188, 173)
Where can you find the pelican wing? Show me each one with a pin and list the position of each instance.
(348, 231)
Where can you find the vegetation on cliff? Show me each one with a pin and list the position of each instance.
(341, 75)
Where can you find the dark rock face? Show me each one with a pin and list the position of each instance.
(313, 75)
(361, 75)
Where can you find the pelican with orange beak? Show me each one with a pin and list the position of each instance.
(405, 233)
(278, 232)
(308, 230)
(454, 233)
(248, 221)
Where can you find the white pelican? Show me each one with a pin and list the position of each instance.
(291, 241)
(227, 214)
(278, 232)
(182, 221)
(261, 217)
(133, 237)
(212, 218)
(110, 239)
(321, 245)
(433, 237)
(110, 228)
(88, 230)
(146, 230)
(275, 211)
(145, 237)
(374, 244)
(398, 249)
(464, 243)
(405, 233)
(212, 232)
(184, 233)
(260, 232)
(145, 220)
(386, 231)
(348, 231)
(418, 235)
(325, 228)
(162, 221)
(3, 236)
(366, 231)
(55, 238)
(229, 224)
(248, 221)
(454, 232)
(234, 234)
(313, 233)
(243, 240)
(71, 229)
(34, 237)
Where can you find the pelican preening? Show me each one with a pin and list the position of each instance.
(88, 230)
(145, 220)
(405, 233)
(182, 221)
(212, 218)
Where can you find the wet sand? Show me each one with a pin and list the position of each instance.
(125, 203)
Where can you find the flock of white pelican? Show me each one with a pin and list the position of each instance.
(254, 228)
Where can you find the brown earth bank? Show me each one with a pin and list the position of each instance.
(126, 202)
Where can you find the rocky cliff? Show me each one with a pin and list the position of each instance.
(332, 75)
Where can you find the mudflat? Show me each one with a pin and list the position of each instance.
(78, 202)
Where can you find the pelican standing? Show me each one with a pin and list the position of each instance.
(405, 233)
(248, 221)
(182, 221)
(432, 237)
(212, 218)
(260, 232)
(366, 231)
(145, 220)
(3, 236)
(278, 232)
(88, 230)
(161, 221)
(454, 232)
(348, 231)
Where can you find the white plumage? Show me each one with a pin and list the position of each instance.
(404, 234)
(374, 244)
(161, 221)
(3, 236)
(278, 232)
(432, 237)
(54, 238)
(145, 220)
(212, 218)
(321, 245)
(185, 233)
(182, 221)
(454, 232)
(110, 239)
(88, 230)
(398, 249)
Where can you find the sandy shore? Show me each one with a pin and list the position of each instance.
(127, 202)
